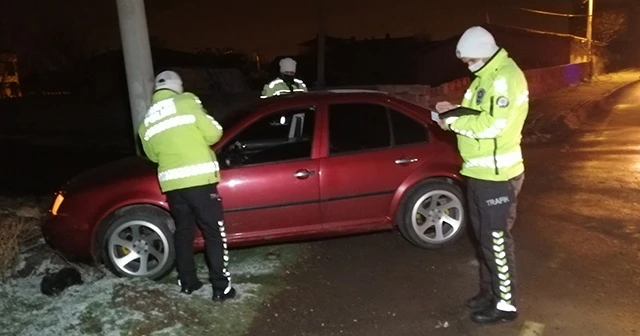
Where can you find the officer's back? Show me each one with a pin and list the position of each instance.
(177, 134)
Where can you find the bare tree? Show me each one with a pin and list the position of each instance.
(609, 24)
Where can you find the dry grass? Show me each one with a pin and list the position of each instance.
(13, 231)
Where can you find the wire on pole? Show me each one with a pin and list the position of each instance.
(551, 13)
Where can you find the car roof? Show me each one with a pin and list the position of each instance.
(324, 93)
(303, 97)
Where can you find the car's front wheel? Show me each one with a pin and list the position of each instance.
(432, 214)
(138, 242)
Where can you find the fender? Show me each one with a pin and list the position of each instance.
(425, 172)
(119, 201)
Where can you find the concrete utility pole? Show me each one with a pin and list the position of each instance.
(590, 36)
(137, 59)
(321, 45)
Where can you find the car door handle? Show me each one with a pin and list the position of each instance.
(404, 161)
(303, 174)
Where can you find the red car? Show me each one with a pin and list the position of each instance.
(299, 166)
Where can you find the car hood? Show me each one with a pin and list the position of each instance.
(133, 167)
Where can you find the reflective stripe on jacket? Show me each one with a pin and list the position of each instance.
(489, 143)
(177, 133)
(279, 87)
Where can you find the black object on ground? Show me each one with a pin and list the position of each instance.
(56, 283)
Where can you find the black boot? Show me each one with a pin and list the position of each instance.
(492, 315)
(188, 289)
(482, 300)
(220, 296)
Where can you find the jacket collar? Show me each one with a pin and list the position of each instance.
(493, 63)
(162, 94)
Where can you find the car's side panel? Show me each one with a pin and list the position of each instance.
(268, 200)
(357, 189)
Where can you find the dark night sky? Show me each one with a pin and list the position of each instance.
(276, 26)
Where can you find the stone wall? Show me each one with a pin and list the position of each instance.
(541, 81)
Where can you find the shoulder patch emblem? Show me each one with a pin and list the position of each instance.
(502, 102)
(479, 96)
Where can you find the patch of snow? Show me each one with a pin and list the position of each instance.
(29, 312)
(172, 290)
(441, 324)
(254, 266)
(245, 291)
(21, 262)
(29, 211)
(98, 308)
(170, 331)
(47, 266)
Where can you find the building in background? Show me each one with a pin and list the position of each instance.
(9, 76)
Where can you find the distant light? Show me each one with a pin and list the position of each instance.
(283, 120)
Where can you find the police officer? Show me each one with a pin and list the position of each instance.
(286, 83)
(177, 133)
(489, 143)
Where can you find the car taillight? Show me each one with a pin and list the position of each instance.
(57, 203)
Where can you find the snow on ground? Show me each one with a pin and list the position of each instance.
(108, 305)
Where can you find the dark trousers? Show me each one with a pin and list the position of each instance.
(492, 211)
(201, 205)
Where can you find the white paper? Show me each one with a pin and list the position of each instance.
(435, 116)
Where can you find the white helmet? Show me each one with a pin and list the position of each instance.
(287, 65)
(169, 80)
(476, 42)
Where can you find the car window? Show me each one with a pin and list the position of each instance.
(406, 130)
(357, 127)
(281, 136)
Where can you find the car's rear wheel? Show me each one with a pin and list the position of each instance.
(138, 242)
(432, 214)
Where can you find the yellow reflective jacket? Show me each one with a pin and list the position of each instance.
(489, 143)
(177, 133)
(279, 87)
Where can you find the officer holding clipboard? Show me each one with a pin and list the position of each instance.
(488, 125)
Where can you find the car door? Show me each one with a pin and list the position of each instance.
(270, 185)
(372, 149)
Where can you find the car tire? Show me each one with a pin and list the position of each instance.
(419, 223)
(145, 231)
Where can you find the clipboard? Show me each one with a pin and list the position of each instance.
(435, 115)
(459, 112)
